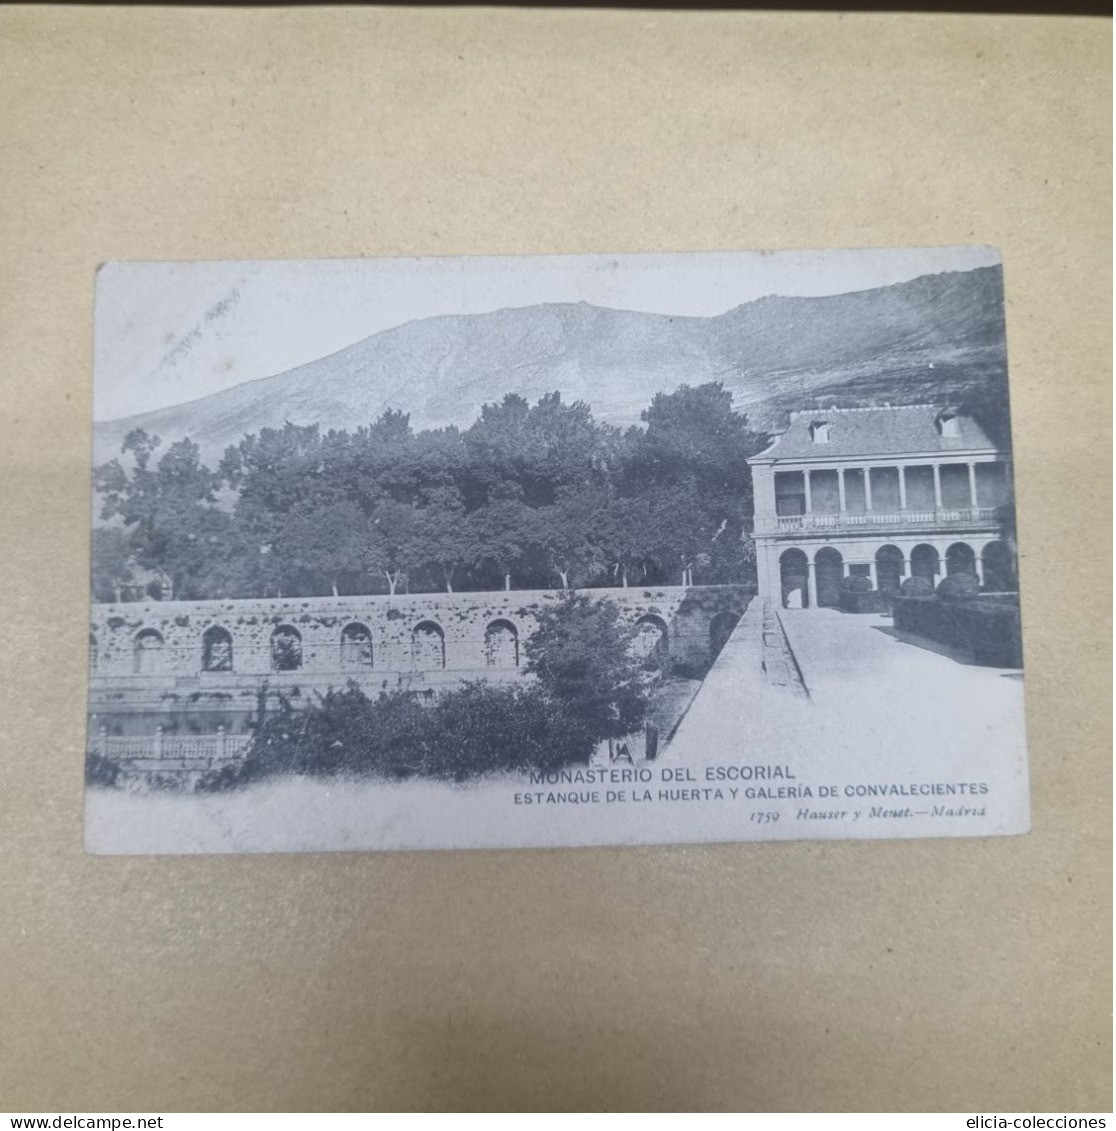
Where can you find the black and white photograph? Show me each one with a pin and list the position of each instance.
(553, 551)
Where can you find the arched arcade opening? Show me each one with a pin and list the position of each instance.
(794, 571)
(829, 569)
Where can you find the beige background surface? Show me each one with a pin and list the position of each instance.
(950, 975)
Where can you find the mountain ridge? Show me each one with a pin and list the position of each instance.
(937, 334)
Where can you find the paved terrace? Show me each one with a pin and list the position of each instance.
(881, 705)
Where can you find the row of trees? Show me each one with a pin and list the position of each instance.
(589, 686)
(528, 496)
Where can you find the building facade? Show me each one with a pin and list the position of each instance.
(885, 493)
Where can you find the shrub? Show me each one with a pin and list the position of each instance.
(858, 595)
(480, 729)
(857, 583)
(959, 586)
(100, 770)
(986, 629)
(229, 777)
(475, 730)
(916, 587)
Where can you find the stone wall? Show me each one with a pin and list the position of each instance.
(194, 665)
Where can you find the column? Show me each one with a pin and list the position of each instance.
(763, 499)
(867, 488)
(978, 567)
(937, 488)
(972, 485)
(902, 488)
(806, 482)
(841, 489)
(763, 577)
(811, 586)
(872, 573)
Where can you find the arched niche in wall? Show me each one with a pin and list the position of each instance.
(217, 650)
(428, 646)
(356, 646)
(501, 645)
(286, 649)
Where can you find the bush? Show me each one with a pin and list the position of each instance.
(986, 629)
(100, 770)
(858, 595)
(475, 730)
(959, 586)
(230, 777)
(856, 583)
(916, 587)
(481, 729)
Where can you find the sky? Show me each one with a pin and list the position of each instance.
(166, 333)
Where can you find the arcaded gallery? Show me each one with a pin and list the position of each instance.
(883, 493)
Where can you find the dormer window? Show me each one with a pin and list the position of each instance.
(948, 425)
(819, 431)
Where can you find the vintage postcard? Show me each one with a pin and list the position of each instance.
(540, 551)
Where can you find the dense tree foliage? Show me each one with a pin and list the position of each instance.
(474, 730)
(581, 655)
(530, 496)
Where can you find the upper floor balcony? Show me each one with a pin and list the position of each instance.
(954, 518)
(942, 494)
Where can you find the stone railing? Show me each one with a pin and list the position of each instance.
(895, 519)
(171, 747)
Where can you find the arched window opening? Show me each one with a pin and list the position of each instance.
(428, 646)
(148, 652)
(356, 646)
(217, 650)
(501, 645)
(286, 649)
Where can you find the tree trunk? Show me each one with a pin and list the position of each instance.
(507, 582)
(116, 594)
(392, 580)
(624, 577)
(565, 576)
(333, 586)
